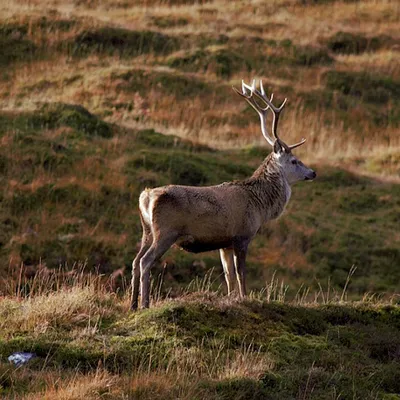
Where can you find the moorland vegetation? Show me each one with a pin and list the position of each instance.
(100, 99)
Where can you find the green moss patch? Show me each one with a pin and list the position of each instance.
(365, 99)
(308, 56)
(369, 88)
(352, 43)
(75, 117)
(26, 200)
(151, 138)
(236, 388)
(287, 53)
(188, 169)
(54, 115)
(180, 86)
(15, 49)
(122, 42)
(16, 38)
(223, 62)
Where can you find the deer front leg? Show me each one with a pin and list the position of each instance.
(229, 268)
(240, 252)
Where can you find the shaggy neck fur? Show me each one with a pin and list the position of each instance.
(269, 187)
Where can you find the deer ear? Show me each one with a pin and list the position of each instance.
(278, 148)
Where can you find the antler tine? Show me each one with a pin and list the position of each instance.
(263, 92)
(293, 146)
(262, 112)
(275, 110)
(247, 93)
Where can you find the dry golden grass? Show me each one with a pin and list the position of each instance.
(189, 118)
(383, 62)
(88, 81)
(77, 305)
(92, 386)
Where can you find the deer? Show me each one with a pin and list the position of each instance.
(224, 217)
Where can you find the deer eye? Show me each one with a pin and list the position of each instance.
(294, 162)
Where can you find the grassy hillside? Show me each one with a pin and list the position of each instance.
(201, 346)
(70, 188)
(100, 99)
(143, 64)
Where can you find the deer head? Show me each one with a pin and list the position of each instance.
(293, 168)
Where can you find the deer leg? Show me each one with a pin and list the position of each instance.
(156, 250)
(239, 256)
(147, 239)
(229, 268)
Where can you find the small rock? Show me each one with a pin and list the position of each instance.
(21, 358)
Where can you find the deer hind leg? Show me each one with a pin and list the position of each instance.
(229, 268)
(157, 249)
(147, 240)
(239, 256)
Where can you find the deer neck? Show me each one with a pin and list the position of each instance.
(270, 188)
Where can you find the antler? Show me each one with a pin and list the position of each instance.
(262, 112)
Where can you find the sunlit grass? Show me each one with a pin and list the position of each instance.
(321, 320)
(187, 346)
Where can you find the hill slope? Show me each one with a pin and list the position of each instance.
(100, 99)
(199, 346)
(70, 186)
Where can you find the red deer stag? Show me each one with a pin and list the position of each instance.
(224, 217)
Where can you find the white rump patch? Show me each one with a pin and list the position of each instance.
(146, 205)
